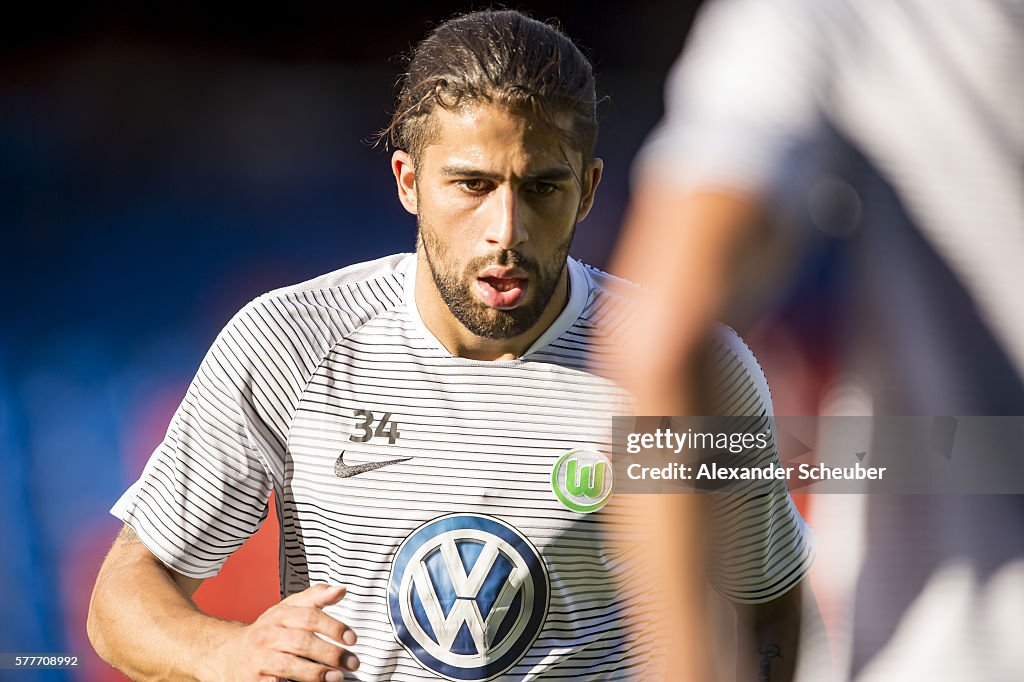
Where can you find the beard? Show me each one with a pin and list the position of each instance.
(455, 283)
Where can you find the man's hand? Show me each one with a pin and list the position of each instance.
(282, 643)
(142, 621)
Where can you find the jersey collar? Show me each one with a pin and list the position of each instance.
(579, 293)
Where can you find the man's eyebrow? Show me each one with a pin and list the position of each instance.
(456, 171)
(553, 174)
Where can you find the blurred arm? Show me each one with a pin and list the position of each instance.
(685, 247)
(768, 635)
(690, 249)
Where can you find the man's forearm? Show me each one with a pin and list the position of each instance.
(145, 624)
(768, 638)
(142, 621)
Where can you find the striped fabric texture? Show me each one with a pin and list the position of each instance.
(333, 394)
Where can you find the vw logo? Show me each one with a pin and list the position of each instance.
(467, 596)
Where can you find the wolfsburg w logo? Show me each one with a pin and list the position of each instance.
(467, 596)
(582, 480)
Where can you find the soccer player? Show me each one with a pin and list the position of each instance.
(436, 426)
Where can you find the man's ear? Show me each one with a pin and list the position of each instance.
(405, 178)
(591, 180)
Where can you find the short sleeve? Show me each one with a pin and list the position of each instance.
(205, 488)
(742, 101)
(760, 545)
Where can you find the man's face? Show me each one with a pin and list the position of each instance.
(497, 198)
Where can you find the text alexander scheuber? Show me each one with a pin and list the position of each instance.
(665, 440)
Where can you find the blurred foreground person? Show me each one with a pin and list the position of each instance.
(899, 127)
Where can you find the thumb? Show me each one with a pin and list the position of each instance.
(319, 595)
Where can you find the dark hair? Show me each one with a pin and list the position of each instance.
(501, 57)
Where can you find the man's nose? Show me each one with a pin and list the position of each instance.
(505, 227)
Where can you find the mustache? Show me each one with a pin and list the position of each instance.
(504, 258)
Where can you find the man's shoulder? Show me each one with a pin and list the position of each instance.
(352, 276)
(328, 307)
(374, 285)
(612, 300)
(740, 386)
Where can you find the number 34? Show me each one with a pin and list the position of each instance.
(368, 430)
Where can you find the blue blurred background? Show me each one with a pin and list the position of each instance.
(161, 167)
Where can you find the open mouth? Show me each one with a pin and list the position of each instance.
(501, 290)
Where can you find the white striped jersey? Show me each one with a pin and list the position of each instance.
(426, 483)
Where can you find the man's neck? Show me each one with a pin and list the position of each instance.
(463, 343)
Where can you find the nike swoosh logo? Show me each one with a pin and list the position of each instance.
(342, 470)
